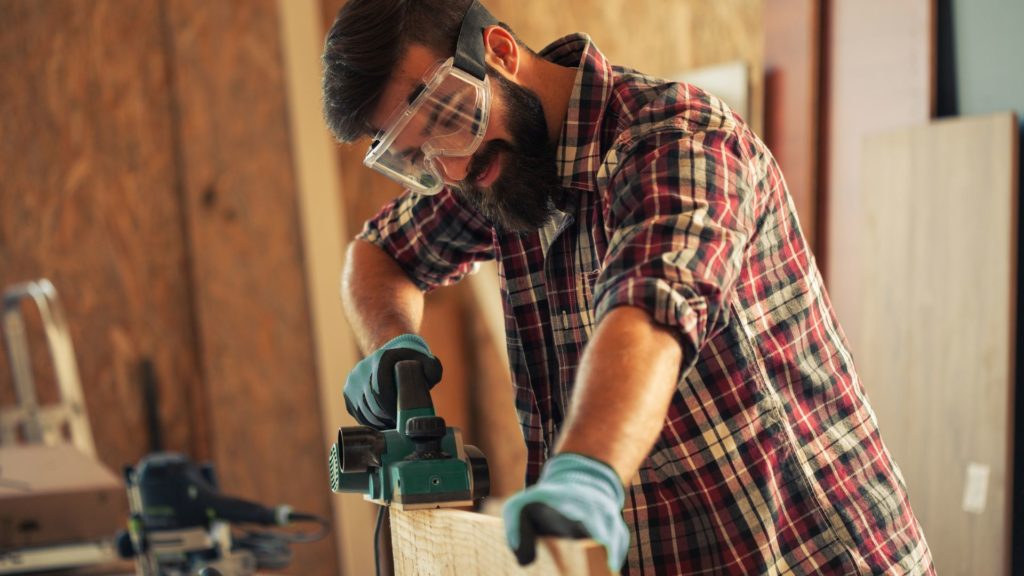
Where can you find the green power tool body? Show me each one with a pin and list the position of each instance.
(422, 463)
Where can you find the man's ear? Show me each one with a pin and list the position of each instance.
(502, 52)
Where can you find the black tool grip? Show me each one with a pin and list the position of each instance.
(538, 519)
(389, 383)
(413, 386)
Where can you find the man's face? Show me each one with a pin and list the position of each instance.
(513, 181)
(512, 178)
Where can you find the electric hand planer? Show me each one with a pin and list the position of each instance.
(422, 463)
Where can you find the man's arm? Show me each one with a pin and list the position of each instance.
(380, 300)
(622, 392)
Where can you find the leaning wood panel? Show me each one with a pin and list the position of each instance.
(940, 236)
(90, 200)
(792, 112)
(442, 542)
(250, 289)
(880, 77)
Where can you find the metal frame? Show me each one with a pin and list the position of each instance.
(42, 424)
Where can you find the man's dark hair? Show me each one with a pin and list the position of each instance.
(366, 42)
(364, 45)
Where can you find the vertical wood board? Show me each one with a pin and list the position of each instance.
(256, 337)
(322, 232)
(879, 77)
(939, 266)
(792, 108)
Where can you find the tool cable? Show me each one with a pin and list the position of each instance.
(376, 539)
(272, 548)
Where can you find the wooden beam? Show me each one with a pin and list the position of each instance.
(458, 542)
(323, 229)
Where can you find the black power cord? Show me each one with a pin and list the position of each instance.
(272, 548)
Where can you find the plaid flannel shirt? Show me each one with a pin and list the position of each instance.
(770, 459)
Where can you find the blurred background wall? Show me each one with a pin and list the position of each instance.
(155, 156)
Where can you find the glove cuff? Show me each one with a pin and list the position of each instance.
(577, 468)
(412, 341)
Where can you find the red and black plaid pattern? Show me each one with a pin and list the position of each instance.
(770, 460)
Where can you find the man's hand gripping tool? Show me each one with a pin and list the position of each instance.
(421, 463)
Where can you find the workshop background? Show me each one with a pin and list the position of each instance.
(165, 165)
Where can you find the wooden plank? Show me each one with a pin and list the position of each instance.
(256, 336)
(792, 108)
(323, 231)
(428, 542)
(879, 77)
(90, 200)
(939, 228)
(498, 431)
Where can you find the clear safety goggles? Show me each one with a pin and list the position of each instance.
(448, 117)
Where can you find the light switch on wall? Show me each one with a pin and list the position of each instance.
(976, 488)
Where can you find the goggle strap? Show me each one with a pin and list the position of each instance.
(469, 52)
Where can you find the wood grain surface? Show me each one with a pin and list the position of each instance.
(90, 199)
(430, 542)
(939, 262)
(254, 330)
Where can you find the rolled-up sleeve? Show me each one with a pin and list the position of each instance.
(434, 239)
(679, 215)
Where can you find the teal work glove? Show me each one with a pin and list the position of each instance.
(370, 391)
(576, 497)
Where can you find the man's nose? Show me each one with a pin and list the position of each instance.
(456, 168)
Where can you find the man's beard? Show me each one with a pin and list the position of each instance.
(522, 198)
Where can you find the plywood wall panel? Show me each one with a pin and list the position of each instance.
(90, 200)
(659, 37)
(243, 230)
(939, 266)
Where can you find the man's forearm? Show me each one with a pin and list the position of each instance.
(379, 299)
(625, 384)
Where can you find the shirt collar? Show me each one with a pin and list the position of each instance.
(579, 154)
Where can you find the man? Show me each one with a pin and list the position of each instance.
(685, 392)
